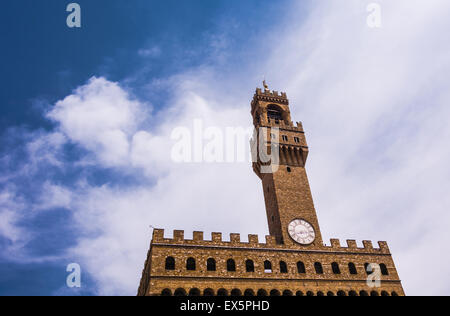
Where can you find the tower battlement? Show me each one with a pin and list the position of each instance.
(270, 96)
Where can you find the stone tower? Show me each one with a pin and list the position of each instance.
(287, 193)
(293, 259)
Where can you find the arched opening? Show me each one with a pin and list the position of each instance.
(170, 263)
(231, 265)
(261, 292)
(301, 267)
(190, 264)
(299, 293)
(283, 267)
(249, 292)
(384, 293)
(363, 293)
(249, 266)
(287, 293)
(180, 292)
(194, 292)
(352, 293)
(267, 266)
(274, 112)
(166, 292)
(374, 293)
(309, 293)
(394, 294)
(384, 270)
(335, 268)
(236, 292)
(211, 264)
(275, 293)
(222, 292)
(330, 293)
(341, 293)
(352, 268)
(208, 292)
(320, 293)
(318, 268)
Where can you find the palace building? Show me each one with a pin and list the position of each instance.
(293, 260)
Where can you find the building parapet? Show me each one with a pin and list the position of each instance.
(253, 242)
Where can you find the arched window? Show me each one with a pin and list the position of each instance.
(208, 292)
(352, 268)
(341, 293)
(394, 294)
(320, 293)
(194, 292)
(287, 293)
(384, 293)
(363, 293)
(330, 294)
(267, 267)
(249, 292)
(166, 292)
(249, 266)
(283, 267)
(374, 293)
(384, 270)
(299, 293)
(318, 268)
(231, 265)
(274, 112)
(309, 293)
(211, 264)
(170, 263)
(180, 292)
(190, 264)
(301, 267)
(335, 268)
(222, 292)
(275, 293)
(236, 292)
(352, 293)
(262, 292)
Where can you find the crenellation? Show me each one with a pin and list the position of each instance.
(367, 244)
(158, 235)
(235, 239)
(216, 237)
(253, 240)
(351, 244)
(178, 235)
(198, 236)
(270, 241)
(335, 243)
(384, 246)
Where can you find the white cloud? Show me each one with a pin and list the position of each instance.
(101, 117)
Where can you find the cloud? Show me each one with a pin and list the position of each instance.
(101, 117)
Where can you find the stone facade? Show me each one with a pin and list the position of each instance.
(280, 265)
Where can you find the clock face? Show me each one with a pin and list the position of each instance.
(301, 231)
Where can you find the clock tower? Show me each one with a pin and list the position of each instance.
(290, 209)
(293, 259)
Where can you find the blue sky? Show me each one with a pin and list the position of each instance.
(87, 116)
(133, 42)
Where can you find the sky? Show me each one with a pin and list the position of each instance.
(88, 116)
